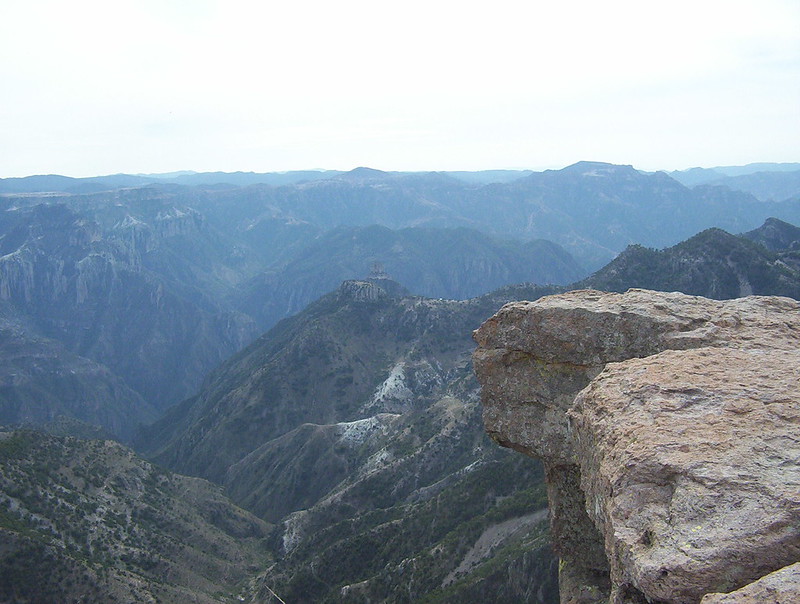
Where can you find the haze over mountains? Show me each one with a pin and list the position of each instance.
(713, 264)
(65, 184)
(160, 283)
(618, 205)
(768, 182)
(343, 417)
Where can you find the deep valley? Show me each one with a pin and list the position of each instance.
(224, 387)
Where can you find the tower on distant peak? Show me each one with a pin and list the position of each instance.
(378, 271)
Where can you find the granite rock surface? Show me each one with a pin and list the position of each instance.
(668, 426)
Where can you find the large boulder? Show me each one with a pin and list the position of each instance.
(668, 425)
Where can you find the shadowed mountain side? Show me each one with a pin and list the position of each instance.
(776, 235)
(713, 264)
(435, 263)
(42, 384)
(323, 366)
(72, 282)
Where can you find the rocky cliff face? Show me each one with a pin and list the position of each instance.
(668, 428)
(132, 298)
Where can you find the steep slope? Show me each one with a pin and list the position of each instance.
(323, 366)
(354, 426)
(436, 263)
(90, 290)
(42, 384)
(776, 235)
(87, 520)
(714, 264)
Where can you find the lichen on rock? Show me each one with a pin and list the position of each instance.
(668, 426)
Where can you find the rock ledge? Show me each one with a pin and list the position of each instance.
(669, 427)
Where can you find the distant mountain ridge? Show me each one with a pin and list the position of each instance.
(713, 264)
(69, 184)
(76, 185)
(766, 181)
(698, 174)
(592, 209)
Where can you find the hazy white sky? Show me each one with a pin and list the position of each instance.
(98, 87)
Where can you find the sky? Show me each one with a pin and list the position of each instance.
(149, 86)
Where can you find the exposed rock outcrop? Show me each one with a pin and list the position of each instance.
(668, 425)
(781, 586)
(141, 299)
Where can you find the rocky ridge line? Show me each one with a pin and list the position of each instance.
(667, 424)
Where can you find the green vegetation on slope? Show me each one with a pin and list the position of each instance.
(355, 427)
(83, 518)
(714, 264)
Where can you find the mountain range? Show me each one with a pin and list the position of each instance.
(767, 182)
(712, 264)
(54, 183)
(359, 390)
(592, 209)
(347, 436)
